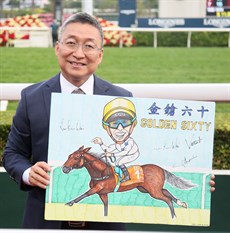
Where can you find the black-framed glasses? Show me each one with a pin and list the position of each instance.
(87, 48)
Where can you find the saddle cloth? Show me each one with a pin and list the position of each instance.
(136, 175)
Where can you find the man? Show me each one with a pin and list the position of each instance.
(54, 30)
(79, 51)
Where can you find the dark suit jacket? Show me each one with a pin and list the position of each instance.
(28, 144)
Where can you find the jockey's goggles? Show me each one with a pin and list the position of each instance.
(123, 122)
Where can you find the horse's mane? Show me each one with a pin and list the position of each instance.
(100, 156)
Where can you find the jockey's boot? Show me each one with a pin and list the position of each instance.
(125, 173)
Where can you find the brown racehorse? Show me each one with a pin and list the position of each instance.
(103, 180)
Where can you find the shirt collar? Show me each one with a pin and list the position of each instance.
(67, 87)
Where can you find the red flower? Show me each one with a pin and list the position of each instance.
(25, 37)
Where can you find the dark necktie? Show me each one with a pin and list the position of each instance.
(78, 91)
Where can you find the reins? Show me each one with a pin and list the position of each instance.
(107, 168)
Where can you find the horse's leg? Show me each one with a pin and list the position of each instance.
(97, 188)
(104, 198)
(168, 200)
(70, 203)
(160, 195)
(177, 201)
(171, 207)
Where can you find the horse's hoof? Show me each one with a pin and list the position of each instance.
(69, 203)
(184, 204)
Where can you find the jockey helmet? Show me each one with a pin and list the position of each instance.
(119, 108)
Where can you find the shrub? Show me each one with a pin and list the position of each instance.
(221, 156)
(5, 123)
(172, 39)
(208, 39)
(179, 39)
(143, 38)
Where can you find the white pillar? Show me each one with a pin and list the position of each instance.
(87, 6)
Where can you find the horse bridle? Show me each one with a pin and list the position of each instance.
(107, 168)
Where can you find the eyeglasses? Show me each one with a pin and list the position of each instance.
(87, 48)
(124, 123)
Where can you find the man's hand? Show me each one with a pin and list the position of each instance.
(108, 154)
(97, 140)
(212, 183)
(38, 175)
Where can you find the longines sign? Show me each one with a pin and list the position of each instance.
(184, 22)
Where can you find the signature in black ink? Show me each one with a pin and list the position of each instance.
(68, 126)
(168, 146)
(193, 142)
(187, 161)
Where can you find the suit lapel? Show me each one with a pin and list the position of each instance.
(51, 86)
(100, 86)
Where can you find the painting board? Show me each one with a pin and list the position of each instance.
(175, 135)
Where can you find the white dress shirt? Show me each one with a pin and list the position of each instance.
(66, 87)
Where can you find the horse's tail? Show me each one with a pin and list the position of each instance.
(178, 182)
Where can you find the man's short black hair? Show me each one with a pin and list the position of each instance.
(82, 17)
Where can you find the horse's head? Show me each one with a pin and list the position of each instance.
(75, 160)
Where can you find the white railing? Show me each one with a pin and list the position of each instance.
(218, 92)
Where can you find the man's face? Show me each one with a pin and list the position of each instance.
(119, 134)
(76, 66)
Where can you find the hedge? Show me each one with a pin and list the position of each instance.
(179, 39)
(221, 158)
(5, 123)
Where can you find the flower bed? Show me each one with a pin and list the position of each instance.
(7, 37)
(111, 38)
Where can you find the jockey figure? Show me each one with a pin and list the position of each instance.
(119, 120)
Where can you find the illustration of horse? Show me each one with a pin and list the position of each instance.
(104, 180)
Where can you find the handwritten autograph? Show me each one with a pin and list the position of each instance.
(67, 125)
(187, 161)
(193, 142)
(168, 146)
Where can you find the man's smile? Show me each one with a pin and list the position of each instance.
(77, 64)
(120, 134)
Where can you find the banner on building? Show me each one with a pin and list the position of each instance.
(184, 22)
(127, 13)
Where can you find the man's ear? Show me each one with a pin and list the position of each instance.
(57, 47)
(101, 53)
